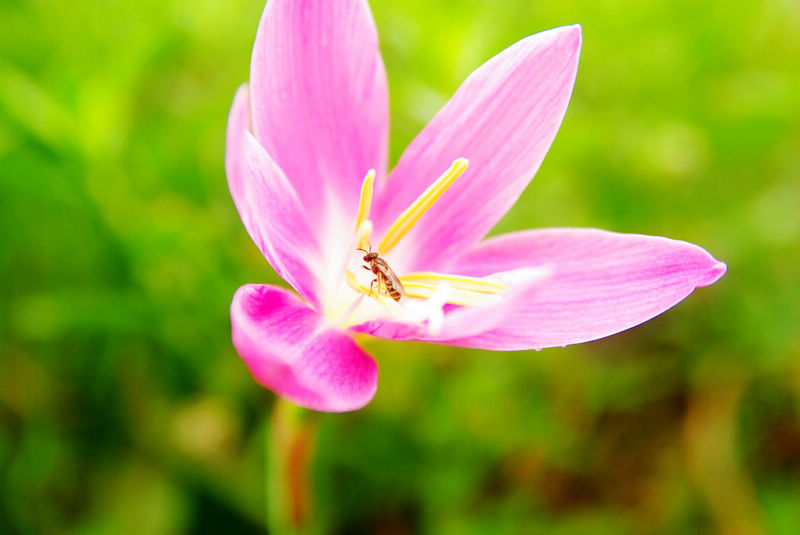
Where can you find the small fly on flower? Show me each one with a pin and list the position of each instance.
(383, 273)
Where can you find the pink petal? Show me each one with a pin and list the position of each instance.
(320, 98)
(268, 204)
(503, 119)
(602, 283)
(294, 352)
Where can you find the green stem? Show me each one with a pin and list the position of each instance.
(291, 442)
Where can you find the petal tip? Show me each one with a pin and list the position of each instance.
(714, 273)
(576, 34)
(572, 34)
(239, 117)
(244, 87)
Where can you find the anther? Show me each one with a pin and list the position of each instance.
(406, 221)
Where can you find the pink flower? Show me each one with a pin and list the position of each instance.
(301, 138)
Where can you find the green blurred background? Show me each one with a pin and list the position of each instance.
(124, 408)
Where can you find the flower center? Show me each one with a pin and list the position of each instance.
(423, 293)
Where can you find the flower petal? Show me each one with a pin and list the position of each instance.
(294, 352)
(268, 204)
(503, 119)
(320, 101)
(602, 283)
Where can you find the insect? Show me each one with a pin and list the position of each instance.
(383, 273)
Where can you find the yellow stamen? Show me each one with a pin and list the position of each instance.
(458, 282)
(454, 297)
(365, 202)
(406, 221)
(463, 290)
(460, 290)
(377, 292)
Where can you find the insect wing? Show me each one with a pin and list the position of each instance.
(390, 279)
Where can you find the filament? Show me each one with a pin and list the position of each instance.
(406, 221)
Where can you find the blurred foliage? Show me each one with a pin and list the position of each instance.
(124, 408)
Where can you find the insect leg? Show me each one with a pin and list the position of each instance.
(371, 284)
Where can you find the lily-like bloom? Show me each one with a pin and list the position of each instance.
(306, 165)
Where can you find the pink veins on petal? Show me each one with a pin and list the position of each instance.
(306, 157)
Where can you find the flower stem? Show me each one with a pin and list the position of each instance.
(291, 442)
